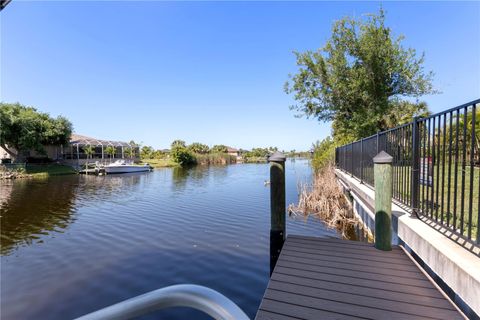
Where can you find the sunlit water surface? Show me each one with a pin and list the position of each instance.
(71, 245)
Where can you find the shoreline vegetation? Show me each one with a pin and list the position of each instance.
(35, 171)
(325, 200)
(179, 155)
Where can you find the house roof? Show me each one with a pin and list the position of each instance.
(77, 139)
(230, 149)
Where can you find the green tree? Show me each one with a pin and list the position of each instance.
(219, 148)
(89, 151)
(358, 79)
(257, 153)
(458, 125)
(323, 153)
(134, 144)
(23, 128)
(198, 147)
(178, 143)
(110, 150)
(182, 156)
(130, 152)
(146, 152)
(160, 154)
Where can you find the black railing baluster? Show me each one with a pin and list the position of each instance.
(428, 204)
(402, 144)
(423, 148)
(361, 161)
(438, 168)
(464, 163)
(449, 169)
(455, 180)
(410, 164)
(434, 161)
(415, 166)
(443, 164)
(472, 168)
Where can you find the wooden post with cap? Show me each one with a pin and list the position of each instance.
(383, 200)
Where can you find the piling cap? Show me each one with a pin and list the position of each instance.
(383, 157)
(277, 157)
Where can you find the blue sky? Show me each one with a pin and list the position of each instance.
(211, 72)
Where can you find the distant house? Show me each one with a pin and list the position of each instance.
(233, 152)
(74, 153)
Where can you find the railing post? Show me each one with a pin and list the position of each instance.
(415, 184)
(351, 159)
(361, 161)
(383, 200)
(378, 142)
(277, 206)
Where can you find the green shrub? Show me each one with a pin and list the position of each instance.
(256, 153)
(323, 153)
(182, 156)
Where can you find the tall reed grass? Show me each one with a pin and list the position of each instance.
(325, 199)
(215, 158)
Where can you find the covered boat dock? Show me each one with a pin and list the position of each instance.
(75, 152)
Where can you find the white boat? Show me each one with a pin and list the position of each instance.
(122, 166)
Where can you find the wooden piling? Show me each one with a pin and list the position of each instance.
(277, 206)
(383, 201)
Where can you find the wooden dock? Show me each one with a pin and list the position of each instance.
(318, 278)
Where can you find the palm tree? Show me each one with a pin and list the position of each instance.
(110, 150)
(130, 152)
(89, 151)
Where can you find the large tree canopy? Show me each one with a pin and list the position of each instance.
(358, 79)
(24, 128)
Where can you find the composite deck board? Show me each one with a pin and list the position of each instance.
(410, 297)
(318, 278)
(315, 258)
(415, 274)
(320, 255)
(337, 252)
(392, 278)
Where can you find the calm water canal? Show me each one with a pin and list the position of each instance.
(71, 245)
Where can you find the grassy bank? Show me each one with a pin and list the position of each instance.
(161, 163)
(47, 170)
(255, 160)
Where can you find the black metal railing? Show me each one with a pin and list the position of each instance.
(436, 166)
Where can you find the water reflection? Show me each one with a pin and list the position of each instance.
(33, 210)
(30, 209)
(179, 178)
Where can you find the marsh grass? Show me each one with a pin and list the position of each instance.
(215, 158)
(325, 199)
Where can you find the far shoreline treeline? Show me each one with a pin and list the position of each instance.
(26, 133)
(196, 153)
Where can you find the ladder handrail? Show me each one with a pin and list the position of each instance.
(184, 295)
